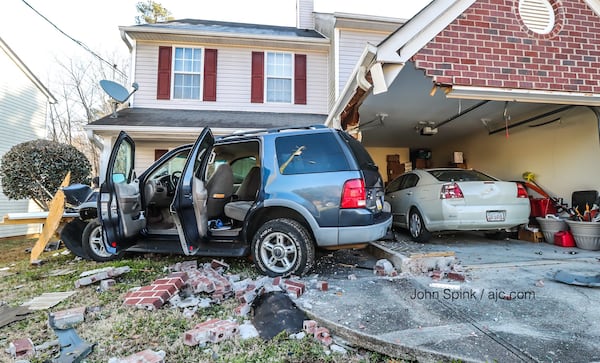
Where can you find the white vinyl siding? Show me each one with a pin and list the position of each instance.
(351, 45)
(23, 117)
(233, 82)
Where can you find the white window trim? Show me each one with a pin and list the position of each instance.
(292, 78)
(201, 73)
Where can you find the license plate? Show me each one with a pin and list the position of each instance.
(495, 215)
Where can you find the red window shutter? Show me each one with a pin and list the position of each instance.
(210, 75)
(163, 84)
(300, 79)
(258, 80)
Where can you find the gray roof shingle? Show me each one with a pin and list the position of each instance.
(153, 117)
(211, 26)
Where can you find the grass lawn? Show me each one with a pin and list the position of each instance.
(118, 330)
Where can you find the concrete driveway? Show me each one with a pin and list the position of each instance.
(464, 297)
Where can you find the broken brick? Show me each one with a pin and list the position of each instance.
(145, 356)
(66, 319)
(21, 348)
(455, 276)
(323, 336)
(309, 326)
(322, 285)
(296, 284)
(213, 331)
(215, 264)
(295, 291)
(242, 310)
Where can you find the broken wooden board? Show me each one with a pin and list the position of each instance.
(57, 208)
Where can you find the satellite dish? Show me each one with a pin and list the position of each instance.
(118, 93)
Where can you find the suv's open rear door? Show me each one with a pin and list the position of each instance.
(189, 204)
(120, 202)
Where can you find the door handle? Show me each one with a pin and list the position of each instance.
(188, 195)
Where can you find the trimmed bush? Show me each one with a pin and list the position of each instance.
(35, 169)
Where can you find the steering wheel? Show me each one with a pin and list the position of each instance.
(175, 179)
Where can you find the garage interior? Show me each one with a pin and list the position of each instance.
(503, 135)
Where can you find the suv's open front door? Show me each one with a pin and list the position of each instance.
(120, 201)
(189, 204)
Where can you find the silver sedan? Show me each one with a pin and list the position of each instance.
(453, 199)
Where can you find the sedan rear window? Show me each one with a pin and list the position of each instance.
(446, 175)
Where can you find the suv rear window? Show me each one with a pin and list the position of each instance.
(310, 153)
(361, 154)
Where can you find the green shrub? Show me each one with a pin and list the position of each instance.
(35, 169)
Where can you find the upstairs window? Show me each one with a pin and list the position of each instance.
(278, 77)
(279, 73)
(187, 72)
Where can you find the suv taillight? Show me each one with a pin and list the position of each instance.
(451, 191)
(354, 194)
(521, 191)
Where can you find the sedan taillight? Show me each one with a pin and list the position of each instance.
(451, 191)
(354, 194)
(521, 191)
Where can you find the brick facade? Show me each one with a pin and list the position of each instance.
(490, 46)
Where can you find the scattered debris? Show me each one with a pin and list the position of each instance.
(72, 348)
(47, 300)
(93, 276)
(213, 331)
(9, 314)
(60, 272)
(106, 285)
(539, 283)
(439, 285)
(66, 319)
(578, 280)
(384, 267)
(21, 348)
(319, 333)
(145, 356)
(248, 330)
(275, 312)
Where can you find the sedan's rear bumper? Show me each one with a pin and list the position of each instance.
(474, 217)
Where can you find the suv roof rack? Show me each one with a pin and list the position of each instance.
(273, 130)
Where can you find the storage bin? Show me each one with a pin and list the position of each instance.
(586, 234)
(550, 225)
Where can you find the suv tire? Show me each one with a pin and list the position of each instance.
(93, 244)
(283, 247)
(416, 227)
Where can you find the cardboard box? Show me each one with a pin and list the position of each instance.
(527, 235)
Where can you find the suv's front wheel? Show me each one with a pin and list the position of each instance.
(92, 243)
(283, 247)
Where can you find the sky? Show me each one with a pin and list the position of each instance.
(95, 22)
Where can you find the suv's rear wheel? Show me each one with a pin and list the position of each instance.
(416, 227)
(283, 247)
(93, 245)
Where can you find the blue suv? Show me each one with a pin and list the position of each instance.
(276, 195)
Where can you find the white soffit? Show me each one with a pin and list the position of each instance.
(523, 95)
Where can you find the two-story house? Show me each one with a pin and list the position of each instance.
(232, 76)
(24, 103)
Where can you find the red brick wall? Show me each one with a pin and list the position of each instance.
(489, 46)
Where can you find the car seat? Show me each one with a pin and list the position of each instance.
(245, 195)
(219, 189)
